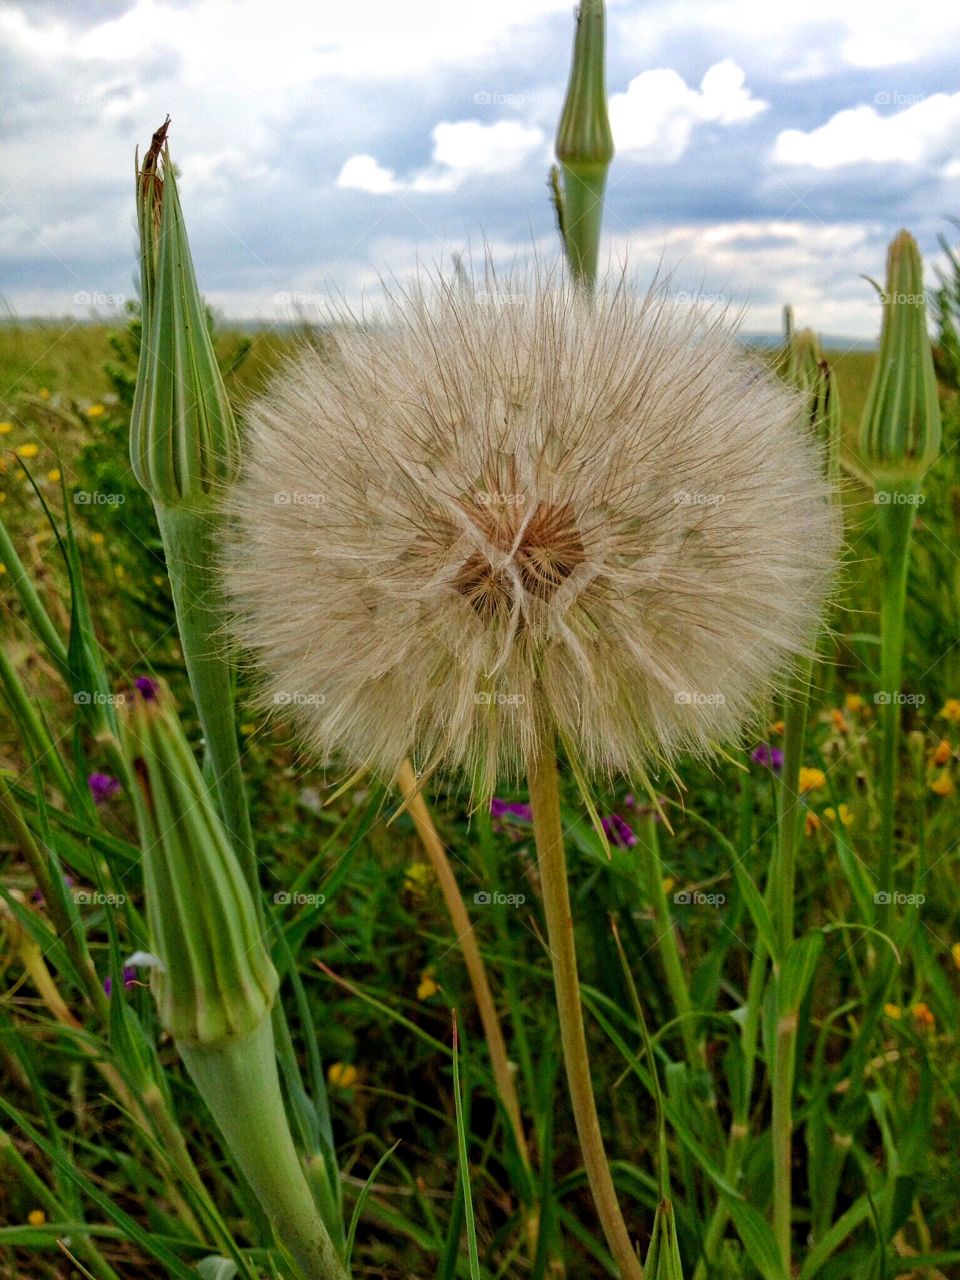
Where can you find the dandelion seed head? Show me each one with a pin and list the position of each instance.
(515, 509)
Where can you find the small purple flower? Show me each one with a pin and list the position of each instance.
(102, 787)
(129, 979)
(767, 756)
(146, 687)
(510, 809)
(618, 831)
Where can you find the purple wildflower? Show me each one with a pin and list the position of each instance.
(129, 979)
(618, 831)
(510, 809)
(146, 687)
(102, 787)
(767, 756)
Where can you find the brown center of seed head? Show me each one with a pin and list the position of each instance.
(546, 548)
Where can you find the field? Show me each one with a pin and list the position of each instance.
(110, 1164)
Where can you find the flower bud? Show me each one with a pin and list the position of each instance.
(184, 441)
(808, 370)
(215, 982)
(900, 430)
(584, 143)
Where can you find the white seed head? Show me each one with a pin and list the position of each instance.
(516, 508)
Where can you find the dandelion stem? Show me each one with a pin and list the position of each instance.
(467, 942)
(548, 833)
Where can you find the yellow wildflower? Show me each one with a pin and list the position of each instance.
(839, 721)
(811, 780)
(95, 411)
(846, 817)
(428, 986)
(96, 539)
(341, 1075)
(3, 497)
(941, 752)
(942, 784)
(5, 428)
(36, 1217)
(955, 952)
(776, 728)
(892, 1010)
(811, 823)
(53, 476)
(29, 450)
(44, 393)
(119, 570)
(668, 883)
(416, 876)
(923, 1016)
(853, 702)
(951, 710)
(3, 568)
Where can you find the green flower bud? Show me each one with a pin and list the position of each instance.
(900, 430)
(215, 983)
(584, 144)
(809, 371)
(184, 441)
(663, 1257)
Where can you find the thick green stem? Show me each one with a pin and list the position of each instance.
(582, 219)
(895, 522)
(239, 1084)
(548, 833)
(189, 538)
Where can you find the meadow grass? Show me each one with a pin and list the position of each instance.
(110, 1165)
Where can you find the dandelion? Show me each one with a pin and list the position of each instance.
(492, 518)
(5, 428)
(95, 411)
(27, 451)
(942, 784)
(811, 780)
(341, 1075)
(951, 710)
(53, 475)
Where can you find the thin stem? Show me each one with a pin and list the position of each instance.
(896, 519)
(548, 833)
(467, 942)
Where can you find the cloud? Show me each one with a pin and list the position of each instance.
(925, 132)
(461, 150)
(659, 112)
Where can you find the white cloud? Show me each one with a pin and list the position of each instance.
(461, 150)
(659, 111)
(925, 132)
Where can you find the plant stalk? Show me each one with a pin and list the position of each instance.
(548, 833)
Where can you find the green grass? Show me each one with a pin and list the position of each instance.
(876, 1111)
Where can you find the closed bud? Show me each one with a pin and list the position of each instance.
(809, 371)
(584, 143)
(900, 431)
(184, 442)
(663, 1258)
(215, 982)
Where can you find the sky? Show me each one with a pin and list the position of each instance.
(766, 154)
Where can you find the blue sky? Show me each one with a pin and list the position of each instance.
(765, 154)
